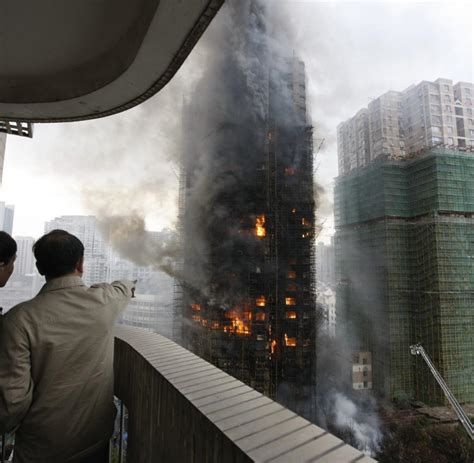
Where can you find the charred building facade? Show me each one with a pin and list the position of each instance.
(247, 216)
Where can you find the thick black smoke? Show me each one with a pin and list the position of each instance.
(225, 128)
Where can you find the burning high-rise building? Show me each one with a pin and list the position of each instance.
(247, 212)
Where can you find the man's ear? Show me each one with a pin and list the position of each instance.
(80, 265)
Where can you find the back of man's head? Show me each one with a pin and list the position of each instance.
(57, 254)
(7, 248)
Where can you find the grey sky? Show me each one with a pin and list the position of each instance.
(353, 51)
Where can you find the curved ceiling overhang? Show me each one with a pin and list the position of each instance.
(67, 61)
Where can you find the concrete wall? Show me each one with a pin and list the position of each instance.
(183, 409)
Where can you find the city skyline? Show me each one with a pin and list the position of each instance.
(414, 51)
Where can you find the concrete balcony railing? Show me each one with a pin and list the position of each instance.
(183, 409)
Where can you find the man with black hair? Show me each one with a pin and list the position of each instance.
(8, 250)
(56, 360)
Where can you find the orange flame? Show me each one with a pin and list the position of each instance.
(196, 307)
(260, 230)
(239, 324)
(240, 327)
(290, 301)
(260, 301)
(273, 345)
(291, 314)
(290, 342)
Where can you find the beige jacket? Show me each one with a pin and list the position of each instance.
(56, 369)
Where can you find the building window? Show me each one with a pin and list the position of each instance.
(467, 91)
(448, 109)
(436, 129)
(290, 301)
(446, 88)
(366, 385)
(468, 101)
(449, 119)
(447, 99)
(471, 132)
(469, 111)
(450, 129)
(450, 141)
(435, 108)
(436, 120)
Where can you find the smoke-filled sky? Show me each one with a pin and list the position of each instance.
(354, 51)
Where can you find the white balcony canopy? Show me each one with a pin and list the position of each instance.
(66, 61)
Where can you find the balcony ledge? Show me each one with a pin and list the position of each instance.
(182, 408)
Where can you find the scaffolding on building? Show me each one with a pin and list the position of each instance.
(410, 226)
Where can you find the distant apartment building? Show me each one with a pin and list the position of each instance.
(20, 288)
(3, 142)
(326, 298)
(361, 371)
(25, 261)
(7, 213)
(325, 271)
(153, 312)
(405, 271)
(398, 124)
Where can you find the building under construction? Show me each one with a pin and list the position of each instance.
(405, 270)
(247, 296)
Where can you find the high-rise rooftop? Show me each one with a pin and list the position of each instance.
(398, 124)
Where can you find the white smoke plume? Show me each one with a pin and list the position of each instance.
(362, 424)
